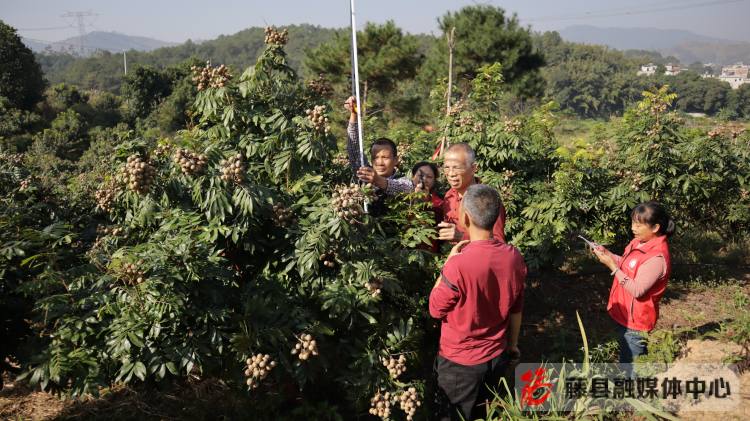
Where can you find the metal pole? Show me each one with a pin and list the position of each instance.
(355, 86)
(125, 62)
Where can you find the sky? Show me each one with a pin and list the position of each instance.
(179, 20)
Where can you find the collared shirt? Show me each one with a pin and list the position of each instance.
(396, 183)
(451, 203)
(479, 288)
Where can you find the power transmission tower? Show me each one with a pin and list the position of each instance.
(81, 25)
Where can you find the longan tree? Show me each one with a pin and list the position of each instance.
(21, 79)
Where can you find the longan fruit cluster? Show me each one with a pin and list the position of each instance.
(506, 192)
(658, 107)
(12, 158)
(329, 258)
(341, 160)
(409, 401)
(347, 201)
(511, 126)
(320, 86)
(374, 286)
(464, 121)
(305, 347)
(396, 367)
(636, 178)
(274, 37)
(190, 163)
(726, 130)
(211, 77)
(131, 273)
(456, 108)
(282, 216)
(380, 405)
(138, 174)
(403, 149)
(317, 116)
(25, 184)
(233, 169)
(105, 196)
(258, 367)
(163, 149)
(103, 230)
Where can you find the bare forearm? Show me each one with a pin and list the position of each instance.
(515, 329)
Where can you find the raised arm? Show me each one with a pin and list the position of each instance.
(352, 138)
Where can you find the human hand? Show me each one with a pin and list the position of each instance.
(351, 105)
(514, 354)
(419, 188)
(604, 257)
(368, 175)
(448, 232)
(458, 247)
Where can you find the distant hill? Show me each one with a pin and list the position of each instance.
(103, 70)
(113, 42)
(686, 46)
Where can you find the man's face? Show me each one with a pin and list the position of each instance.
(457, 172)
(383, 161)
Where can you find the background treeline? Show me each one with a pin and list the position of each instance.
(586, 80)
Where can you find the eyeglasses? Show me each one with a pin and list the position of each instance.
(454, 170)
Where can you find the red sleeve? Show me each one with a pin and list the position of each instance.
(520, 280)
(446, 206)
(498, 231)
(445, 296)
(437, 207)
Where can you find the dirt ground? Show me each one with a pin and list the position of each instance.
(550, 332)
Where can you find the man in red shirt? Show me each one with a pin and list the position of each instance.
(478, 298)
(459, 167)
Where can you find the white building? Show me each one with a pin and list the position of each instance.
(647, 69)
(672, 69)
(736, 75)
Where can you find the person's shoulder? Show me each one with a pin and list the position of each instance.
(466, 258)
(507, 250)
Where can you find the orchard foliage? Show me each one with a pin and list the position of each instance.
(193, 272)
(237, 248)
(553, 191)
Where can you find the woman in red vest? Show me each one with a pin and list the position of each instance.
(640, 277)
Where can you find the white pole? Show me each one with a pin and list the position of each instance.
(125, 62)
(355, 83)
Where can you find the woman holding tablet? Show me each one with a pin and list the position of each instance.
(640, 277)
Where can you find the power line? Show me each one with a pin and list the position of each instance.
(615, 12)
(80, 16)
(50, 28)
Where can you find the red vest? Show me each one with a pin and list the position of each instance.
(639, 313)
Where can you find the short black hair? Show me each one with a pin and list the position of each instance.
(483, 204)
(384, 141)
(653, 213)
